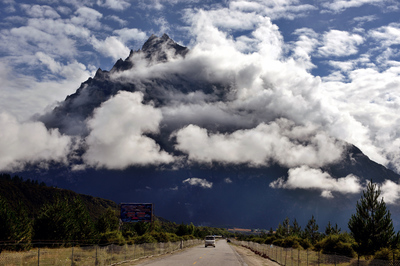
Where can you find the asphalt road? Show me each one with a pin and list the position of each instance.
(222, 254)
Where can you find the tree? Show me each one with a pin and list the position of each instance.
(372, 225)
(15, 225)
(311, 230)
(295, 229)
(330, 230)
(65, 220)
(107, 222)
(285, 225)
(280, 231)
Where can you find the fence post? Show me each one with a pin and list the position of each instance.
(291, 255)
(38, 255)
(307, 257)
(72, 255)
(298, 257)
(96, 262)
(335, 258)
(285, 256)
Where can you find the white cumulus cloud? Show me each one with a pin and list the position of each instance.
(29, 143)
(280, 141)
(340, 43)
(117, 140)
(194, 181)
(304, 177)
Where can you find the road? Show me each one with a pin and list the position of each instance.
(222, 254)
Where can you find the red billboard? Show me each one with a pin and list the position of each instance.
(136, 212)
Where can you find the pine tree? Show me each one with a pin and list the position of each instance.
(15, 226)
(64, 220)
(107, 222)
(280, 231)
(295, 229)
(286, 226)
(311, 230)
(329, 229)
(372, 225)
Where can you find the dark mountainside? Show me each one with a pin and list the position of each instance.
(247, 200)
(33, 196)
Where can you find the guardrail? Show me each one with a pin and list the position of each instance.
(293, 257)
(90, 255)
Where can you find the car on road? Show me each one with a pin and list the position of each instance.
(209, 241)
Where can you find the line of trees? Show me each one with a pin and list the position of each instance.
(371, 232)
(67, 221)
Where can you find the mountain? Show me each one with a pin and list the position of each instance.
(167, 126)
(34, 196)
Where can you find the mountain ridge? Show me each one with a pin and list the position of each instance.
(176, 189)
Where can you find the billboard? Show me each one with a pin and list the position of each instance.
(136, 212)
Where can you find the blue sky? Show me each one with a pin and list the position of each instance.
(331, 64)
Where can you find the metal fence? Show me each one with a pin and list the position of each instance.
(90, 255)
(297, 257)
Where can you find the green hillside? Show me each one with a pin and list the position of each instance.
(34, 195)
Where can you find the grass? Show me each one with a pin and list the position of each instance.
(93, 255)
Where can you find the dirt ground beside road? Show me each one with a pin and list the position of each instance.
(252, 259)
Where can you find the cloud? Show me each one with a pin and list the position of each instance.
(340, 43)
(160, 4)
(117, 137)
(304, 177)
(341, 5)
(228, 180)
(369, 98)
(23, 95)
(387, 35)
(390, 192)
(304, 47)
(277, 142)
(38, 11)
(114, 4)
(121, 21)
(30, 143)
(288, 9)
(111, 47)
(194, 181)
(88, 17)
(130, 34)
(116, 46)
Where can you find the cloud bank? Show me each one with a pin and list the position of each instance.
(305, 177)
(30, 143)
(117, 134)
(277, 142)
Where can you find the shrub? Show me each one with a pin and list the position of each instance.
(278, 242)
(305, 243)
(270, 239)
(334, 244)
(291, 242)
(387, 254)
(146, 238)
(112, 237)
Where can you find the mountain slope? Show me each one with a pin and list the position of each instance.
(208, 144)
(34, 196)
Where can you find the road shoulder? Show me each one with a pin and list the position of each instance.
(250, 258)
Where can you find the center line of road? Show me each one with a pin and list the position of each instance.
(194, 262)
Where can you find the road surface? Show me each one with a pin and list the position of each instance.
(222, 254)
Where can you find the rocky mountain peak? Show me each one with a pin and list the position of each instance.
(158, 48)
